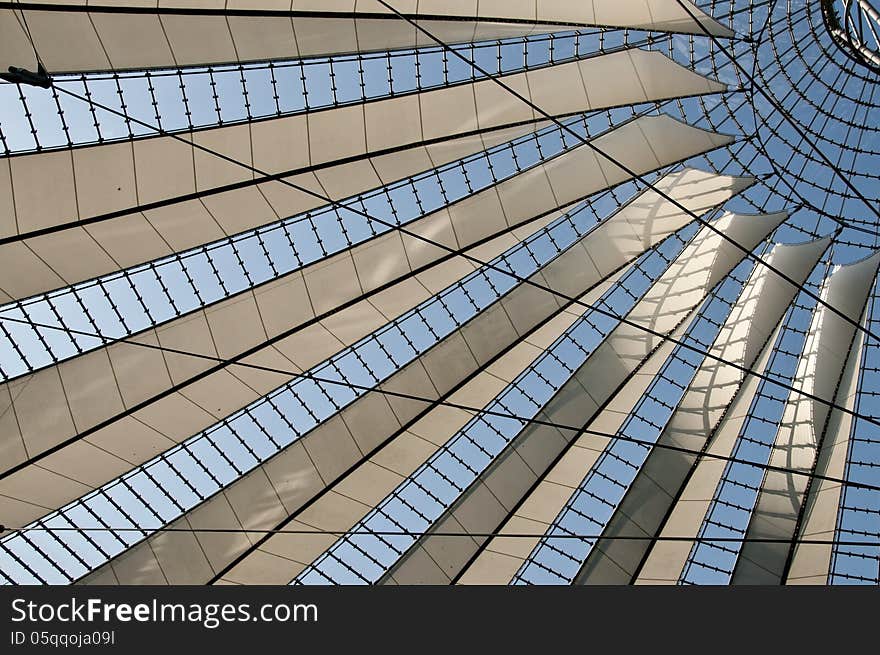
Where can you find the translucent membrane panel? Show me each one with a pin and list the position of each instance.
(591, 506)
(364, 556)
(729, 513)
(859, 513)
(62, 324)
(160, 491)
(178, 100)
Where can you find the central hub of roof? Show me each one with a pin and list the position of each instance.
(855, 27)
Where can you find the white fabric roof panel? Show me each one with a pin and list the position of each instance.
(40, 264)
(118, 177)
(176, 417)
(643, 510)
(474, 335)
(804, 425)
(546, 445)
(236, 325)
(338, 506)
(810, 562)
(106, 37)
(202, 419)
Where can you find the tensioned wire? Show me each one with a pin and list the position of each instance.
(472, 535)
(495, 78)
(537, 421)
(259, 178)
(474, 260)
(329, 82)
(503, 271)
(441, 533)
(496, 413)
(233, 361)
(773, 102)
(178, 306)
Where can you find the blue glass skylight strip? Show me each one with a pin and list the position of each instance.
(728, 515)
(124, 303)
(161, 490)
(178, 100)
(592, 505)
(858, 517)
(419, 502)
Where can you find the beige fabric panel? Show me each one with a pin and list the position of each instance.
(333, 447)
(85, 391)
(758, 311)
(501, 499)
(380, 474)
(804, 424)
(246, 320)
(113, 177)
(811, 563)
(279, 488)
(97, 40)
(40, 264)
(40, 399)
(609, 367)
(504, 491)
(502, 556)
(121, 42)
(666, 559)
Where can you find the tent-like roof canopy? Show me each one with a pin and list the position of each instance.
(398, 291)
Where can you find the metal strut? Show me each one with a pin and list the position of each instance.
(17, 75)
